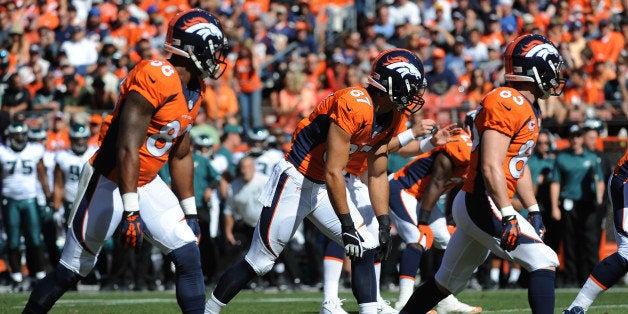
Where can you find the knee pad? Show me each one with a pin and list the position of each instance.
(187, 257)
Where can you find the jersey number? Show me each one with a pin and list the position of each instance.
(27, 166)
(74, 172)
(159, 143)
(518, 163)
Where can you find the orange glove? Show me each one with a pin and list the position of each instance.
(130, 230)
(426, 237)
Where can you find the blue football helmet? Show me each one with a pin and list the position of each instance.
(400, 74)
(534, 58)
(198, 35)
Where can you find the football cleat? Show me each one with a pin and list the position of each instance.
(333, 306)
(574, 310)
(383, 307)
(452, 305)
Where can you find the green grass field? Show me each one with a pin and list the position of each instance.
(504, 301)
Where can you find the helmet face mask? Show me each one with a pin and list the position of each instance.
(399, 73)
(534, 58)
(198, 35)
(203, 145)
(17, 133)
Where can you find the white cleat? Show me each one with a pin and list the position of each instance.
(452, 305)
(383, 307)
(333, 306)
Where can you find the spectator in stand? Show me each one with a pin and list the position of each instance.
(221, 103)
(58, 135)
(305, 40)
(75, 98)
(44, 97)
(494, 64)
(250, 86)
(441, 81)
(34, 60)
(478, 87)
(594, 88)
(49, 47)
(609, 44)
(81, 52)
(95, 123)
(476, 48)
(405, 11)
(574, 96)
(296, 100)
(459, 29)
(616, 90)
(16, 97)
(229, 142)
(95, 30)
(384, 24)
(494, 34)
(455, 59)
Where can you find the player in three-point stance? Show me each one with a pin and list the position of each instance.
(309, 182)
(505, 130)
(119, 187)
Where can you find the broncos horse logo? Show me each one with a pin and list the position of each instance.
(403, 66)
(539, 49)
(202, 27)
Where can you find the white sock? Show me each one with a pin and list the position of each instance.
(368, 308)
(494, 274)
(514, 275)
(589, 292)
(17, 277)
(332, 269)
(213, 306)
(406, 287)
(378, 273)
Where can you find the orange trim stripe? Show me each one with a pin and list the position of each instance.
(270, 223)
(335, 259)
(598, 283)
(407, 277)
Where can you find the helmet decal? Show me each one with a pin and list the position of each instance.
(202, 27)
(403, 66)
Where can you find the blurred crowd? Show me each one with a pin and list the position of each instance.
(61, 63)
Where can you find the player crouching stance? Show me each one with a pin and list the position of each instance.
(159, 101)
(505, 131)
(310, 182)
(611, 269)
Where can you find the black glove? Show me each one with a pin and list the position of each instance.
(192, 221)
(535, 219)
(131, 230)
(351, 239)
(510, 233)
(385, 244)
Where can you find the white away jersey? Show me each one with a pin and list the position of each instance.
(71, 166)
(268, 160)
(19, 171)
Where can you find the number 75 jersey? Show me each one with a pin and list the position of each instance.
(19, 171)
(504, 110)
(175, 108)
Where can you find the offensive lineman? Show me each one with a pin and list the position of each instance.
(505, 131)
(158, 103)
(309, 182)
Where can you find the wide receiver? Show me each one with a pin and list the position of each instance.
(611, 269)
(504, 133)
(309, 182)
(150, 125)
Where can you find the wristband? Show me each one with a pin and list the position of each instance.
(346, 222)
(188, 205)
(424, 216)
(533, 208)
(130, 202)
(405, 137)
(508, 211)
(384, 221)
(426, 145)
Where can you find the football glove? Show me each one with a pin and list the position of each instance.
(510, 233)
(385, 244)
(192, 221)
(352, 242)
(131, 230)
(536, 221)
(426, 236)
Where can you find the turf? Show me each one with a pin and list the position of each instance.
(502, 301)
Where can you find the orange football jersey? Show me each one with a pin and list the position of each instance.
(504, 110)
(415, 176)
(621, 170)
(175, 110)
(351, 109)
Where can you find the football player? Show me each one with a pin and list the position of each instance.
(309, 183)
(22, 170)
(614, 267)
(505, 131)
(68, 164)
(119, 187)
